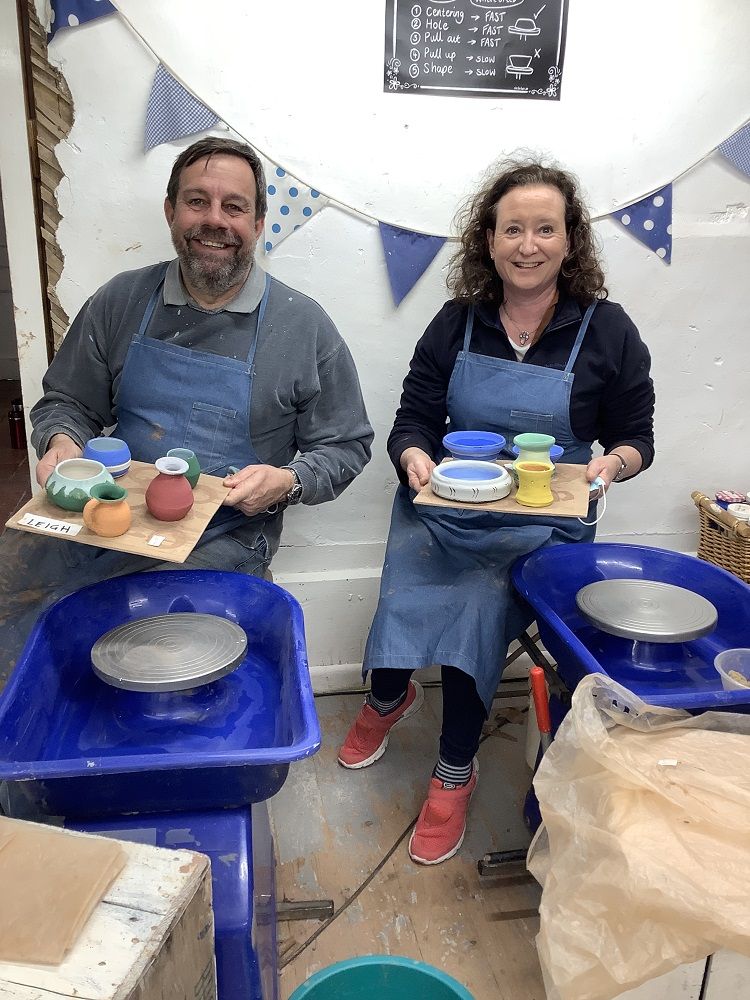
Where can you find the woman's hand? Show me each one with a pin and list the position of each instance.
(605, 467)
(608, 466)
(417, 465)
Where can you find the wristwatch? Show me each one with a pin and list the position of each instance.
(295, 493)
(623, 466)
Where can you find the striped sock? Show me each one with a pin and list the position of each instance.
(453, 775)
(385, 707)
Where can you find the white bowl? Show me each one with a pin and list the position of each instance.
(470, 481)
(737, 660)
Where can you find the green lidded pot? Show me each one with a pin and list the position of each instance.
(69, 485)
(387, 977)
(533, 447)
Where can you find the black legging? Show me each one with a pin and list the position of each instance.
(463, 709)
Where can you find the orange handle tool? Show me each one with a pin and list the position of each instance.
(541, 705)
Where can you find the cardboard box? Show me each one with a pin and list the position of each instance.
(150, 938)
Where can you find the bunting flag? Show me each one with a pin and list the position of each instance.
(650, 221)
(71, 13)
(407, 257)
(173, 112)
(290, 205)
(736, 149)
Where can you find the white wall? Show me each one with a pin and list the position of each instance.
(692, 314)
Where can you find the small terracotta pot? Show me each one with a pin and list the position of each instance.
(107, 513)
(169, 496)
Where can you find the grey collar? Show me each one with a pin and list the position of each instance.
(246, 300)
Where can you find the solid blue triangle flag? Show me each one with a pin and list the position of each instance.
(407, 257)
(173, 111)
(650, 221)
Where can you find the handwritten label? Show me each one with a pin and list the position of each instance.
(49, 524)
(476, 48)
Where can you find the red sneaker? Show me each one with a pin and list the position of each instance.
(367, 739)
(440, 829)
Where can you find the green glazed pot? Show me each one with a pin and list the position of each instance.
(193, 473)
(69, 486)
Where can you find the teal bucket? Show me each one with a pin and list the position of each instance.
(386, 977)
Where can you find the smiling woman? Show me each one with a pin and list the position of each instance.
(527, 344)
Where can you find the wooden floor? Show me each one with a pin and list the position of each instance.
(342, 835)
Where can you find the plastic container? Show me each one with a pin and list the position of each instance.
(737, 660)
(386, 977)
(677, 675)
(71, 745)
(483, 445)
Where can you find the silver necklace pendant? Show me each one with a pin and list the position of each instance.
(524, 336)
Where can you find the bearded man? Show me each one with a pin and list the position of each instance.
(205, 352)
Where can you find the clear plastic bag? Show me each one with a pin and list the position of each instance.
(644, 853)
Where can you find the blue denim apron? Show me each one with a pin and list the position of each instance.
(445, 593)
(175, 397)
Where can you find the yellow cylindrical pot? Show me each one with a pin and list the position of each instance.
(107, 513)
(534, 480)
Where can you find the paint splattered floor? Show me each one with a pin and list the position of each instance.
(342, 835)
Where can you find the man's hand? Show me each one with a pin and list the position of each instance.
(417, 465)
(60, 447)
(257, 487)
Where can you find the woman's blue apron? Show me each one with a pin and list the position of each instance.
(445, 594)
(174, 397)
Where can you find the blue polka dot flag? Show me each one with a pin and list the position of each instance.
(736, 149)
(173, 112)
(290, 205)
(650, 221)
(71, 13)
(407, 257)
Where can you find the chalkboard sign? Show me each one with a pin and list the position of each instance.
(475, 48)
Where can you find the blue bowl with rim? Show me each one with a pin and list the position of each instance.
(112, 452)
(481, 445)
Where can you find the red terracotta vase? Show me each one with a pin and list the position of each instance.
(169, 496)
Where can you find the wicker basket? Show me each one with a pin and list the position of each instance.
(724, 540)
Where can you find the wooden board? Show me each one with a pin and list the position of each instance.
(570, 490)
(153, 927)
(180, 537)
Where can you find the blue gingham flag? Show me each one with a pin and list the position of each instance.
(173, 111)
(71, 13)
(290, 205)
(737, 149)
(650, 221)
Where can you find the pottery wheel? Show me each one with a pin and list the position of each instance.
(168, 652)
(646, 610)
